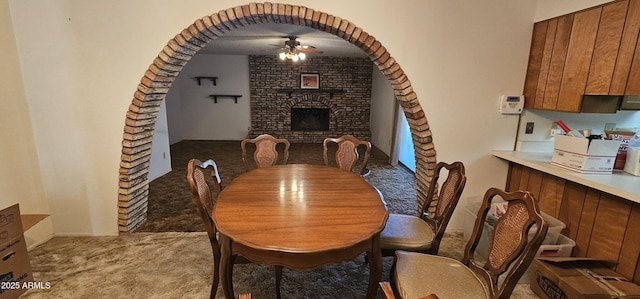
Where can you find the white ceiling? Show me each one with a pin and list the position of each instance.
(268, 38)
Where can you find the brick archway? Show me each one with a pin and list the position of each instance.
(141, 118)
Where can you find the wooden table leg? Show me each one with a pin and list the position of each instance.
(278, 280)
(226, 267)
(375, 267)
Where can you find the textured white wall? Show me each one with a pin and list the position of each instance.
(198, 117)
(382, 108)
(160, 163)
(20, 177)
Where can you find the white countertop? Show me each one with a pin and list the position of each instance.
(619, 183)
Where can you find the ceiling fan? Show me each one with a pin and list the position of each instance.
(293, 50)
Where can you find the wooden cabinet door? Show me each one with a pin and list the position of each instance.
(547, 52)
(579, 54)
(606, 48)
(535, 62)
(546, 62)
(621, 73)
(556, 65)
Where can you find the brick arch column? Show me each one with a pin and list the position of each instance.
(141, 118)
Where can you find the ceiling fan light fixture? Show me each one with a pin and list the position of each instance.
(291, 54)
(292, 50)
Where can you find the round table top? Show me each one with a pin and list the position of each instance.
(299, 208)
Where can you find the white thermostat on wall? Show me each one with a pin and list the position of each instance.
(511, 104)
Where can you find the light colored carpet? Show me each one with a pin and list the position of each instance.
(179, 265)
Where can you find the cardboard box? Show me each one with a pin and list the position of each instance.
(15, 268)
(580, 155)
(10, 224)
(632, 163)
(624, 137)
(579, 278)
(562, 248)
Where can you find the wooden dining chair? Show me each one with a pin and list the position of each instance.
(265, 154)
(204, 190)
(517, 237)
(423, 232)
(347, 155)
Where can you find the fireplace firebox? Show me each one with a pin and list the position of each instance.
(310, 119)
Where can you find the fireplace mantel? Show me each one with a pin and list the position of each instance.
(289, 91)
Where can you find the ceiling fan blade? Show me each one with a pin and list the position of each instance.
(310, 50)
(251, 37)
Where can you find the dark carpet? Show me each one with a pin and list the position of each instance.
(171, 207)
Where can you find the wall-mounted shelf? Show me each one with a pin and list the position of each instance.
(331, 92)
(200, 78)
(216, 96)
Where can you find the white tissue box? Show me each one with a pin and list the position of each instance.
(632, 164)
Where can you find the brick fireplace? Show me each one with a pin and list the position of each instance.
(345, 92)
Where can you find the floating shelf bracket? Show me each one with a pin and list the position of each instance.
(199, 79)
(216, 96)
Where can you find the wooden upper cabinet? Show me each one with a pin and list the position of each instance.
(594, 51)
(576, 69)
(605, 53)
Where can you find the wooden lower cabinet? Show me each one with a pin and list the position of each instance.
(604, 226)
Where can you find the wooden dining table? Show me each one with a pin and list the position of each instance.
(301, 217)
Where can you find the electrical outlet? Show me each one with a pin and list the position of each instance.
(529, 128)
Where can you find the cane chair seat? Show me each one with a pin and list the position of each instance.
(407, 232)
(453, 278)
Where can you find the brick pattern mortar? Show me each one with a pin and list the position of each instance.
(271, 109)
